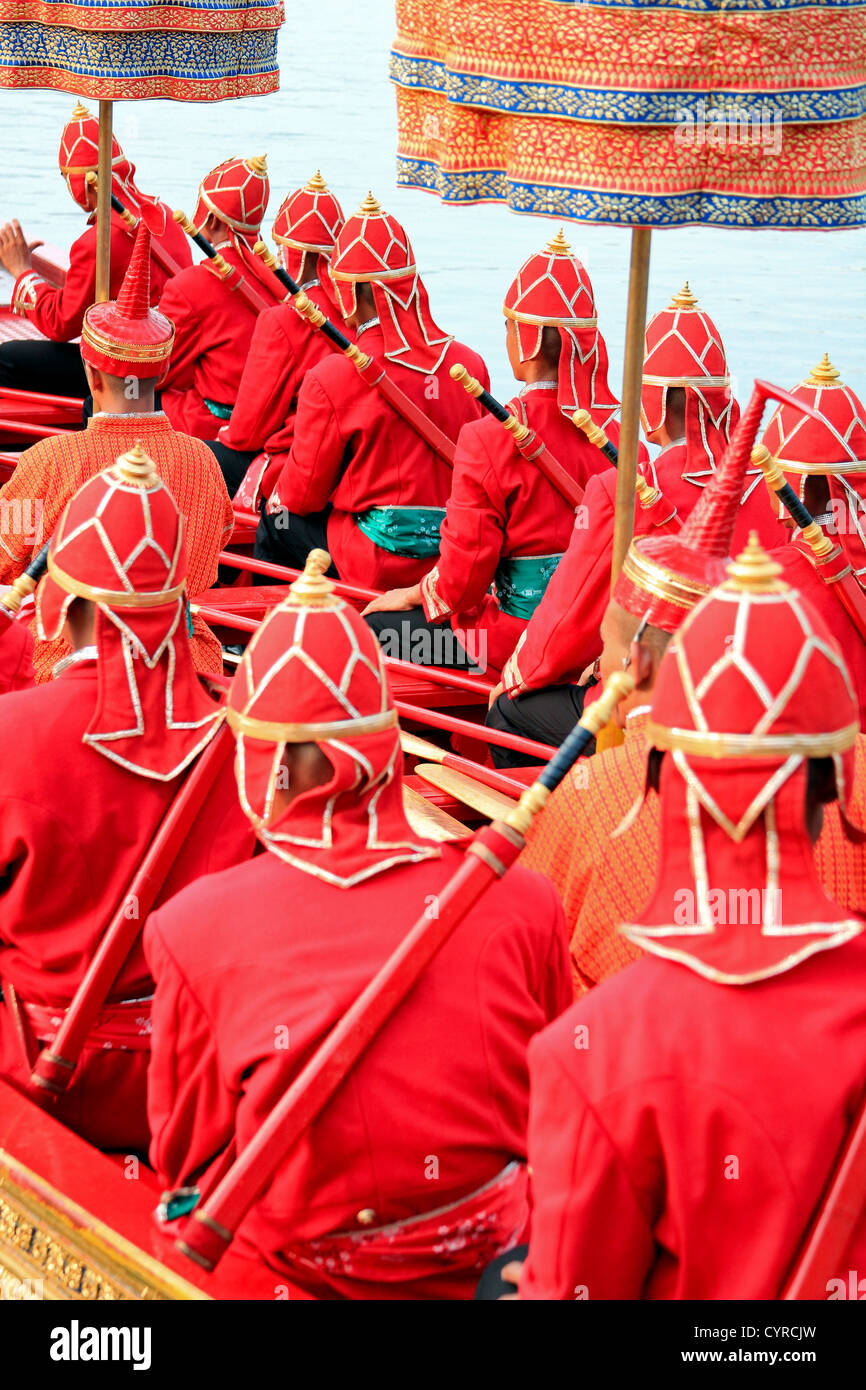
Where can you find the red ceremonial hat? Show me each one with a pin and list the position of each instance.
(373, 248)
(684, 348)
(309, 222)
(314, 673)
(125, 336)
(833, 447)
(751, 688)
(79, 156)
(553, 290)
(237, 192)
(664, 576)
(119, 544)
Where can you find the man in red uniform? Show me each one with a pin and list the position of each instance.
(284, 347)
(91, 763)
(125, 346)
(825, 463)
(505, 524)
(401, 1187)
(359, 480)
(687, 408)
(55, 366)
(601, 859)
(685, 1114)
(213, 322)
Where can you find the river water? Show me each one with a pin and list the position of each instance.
(780, 299)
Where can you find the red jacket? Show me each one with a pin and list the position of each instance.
(434, 1109)
(284, 347)
(213, 331)
(73, 829)
(353, 450)
(502, 506)
(59, 313)
(16, 656)
(681, 1132)
(800, 573)
(564, 635)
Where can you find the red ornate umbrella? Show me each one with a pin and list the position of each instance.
(733, 113)
(183, 51)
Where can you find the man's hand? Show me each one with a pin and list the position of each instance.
(15, 252)
(495, 694)
(395, 601)
(511, 1275)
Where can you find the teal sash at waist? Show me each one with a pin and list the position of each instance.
(412, 531)
(521, 581)
(222, 412)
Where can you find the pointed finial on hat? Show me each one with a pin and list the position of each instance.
(317, 184)
(313, 590)
(558, 246)
(133, 302)
(824, 373)
(81, 112)
(753, 572)
(371, 207)
(258, 163)
(137, 467)
(684, 299)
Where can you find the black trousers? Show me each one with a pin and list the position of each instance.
(409, 636)
(55, 369)
(286, 539)
(548, 716)
(233, 463)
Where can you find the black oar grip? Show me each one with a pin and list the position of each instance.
(26, 582)
(596, 435)
(590, 723)
(270, 260)
(775, 480)
(201, 242)
(472, 386)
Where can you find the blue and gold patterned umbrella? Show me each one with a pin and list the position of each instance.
(640, 113)
(184, 50)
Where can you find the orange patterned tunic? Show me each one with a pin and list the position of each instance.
(603, 881)
(50, 472)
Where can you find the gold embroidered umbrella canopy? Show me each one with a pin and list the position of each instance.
(186, 50)
(638, 113)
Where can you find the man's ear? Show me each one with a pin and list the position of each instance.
(94, 377)
(640, 664)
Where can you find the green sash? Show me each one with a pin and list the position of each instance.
(222, 412)
(521, 581)
(412, 531)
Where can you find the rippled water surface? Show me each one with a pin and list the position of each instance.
(780, 299)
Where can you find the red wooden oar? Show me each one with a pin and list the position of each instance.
(212, 1228)
(284, 572)
(526, 441)
(56, 1065)
(829, 1236)
(439, 675)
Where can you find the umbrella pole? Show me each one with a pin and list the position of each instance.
(103, 204)
(632, 371)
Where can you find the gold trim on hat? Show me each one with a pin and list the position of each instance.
(378, 276)
(128, 352)
(700, 743)
(268, 731)
(708, 381)
(110, 598)
(662, 582)
(538, 322)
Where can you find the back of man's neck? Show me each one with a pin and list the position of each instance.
(125, 407)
